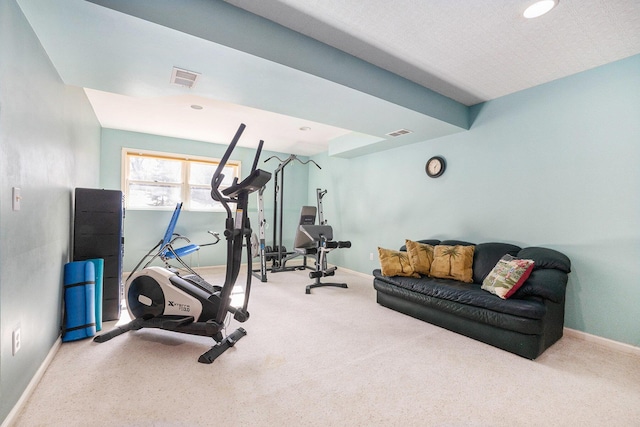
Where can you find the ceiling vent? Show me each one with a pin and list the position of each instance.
(184, 78)
(399, 132)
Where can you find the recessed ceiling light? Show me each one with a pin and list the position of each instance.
(539, 8)
(305, 128)
(196, 107)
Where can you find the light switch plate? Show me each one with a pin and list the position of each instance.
(16, 341)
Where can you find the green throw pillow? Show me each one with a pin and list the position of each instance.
(507, 276)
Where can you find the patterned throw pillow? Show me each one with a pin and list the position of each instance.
(507, 276)
(395, 263)
(453, 262)
(420, 255)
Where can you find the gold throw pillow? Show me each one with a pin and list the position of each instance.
(395, 263)
(420, 255)
(453, 262)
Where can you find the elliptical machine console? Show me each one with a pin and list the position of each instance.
(159, 298)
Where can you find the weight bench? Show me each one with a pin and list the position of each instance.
(165, 249)
(317, 240)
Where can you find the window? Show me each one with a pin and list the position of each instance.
(159, 180)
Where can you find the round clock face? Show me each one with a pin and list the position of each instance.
(435, 166)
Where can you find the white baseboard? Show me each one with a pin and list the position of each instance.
(613, 345)
(357, 273)
(13, 415)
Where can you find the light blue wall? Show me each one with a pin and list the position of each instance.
(49, 144)
(143, 229)
(554, 166)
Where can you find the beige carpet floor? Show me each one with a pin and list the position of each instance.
(332, 358)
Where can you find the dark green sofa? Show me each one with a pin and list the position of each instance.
(525, 324)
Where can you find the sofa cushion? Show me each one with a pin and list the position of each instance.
(487, 255)
(453, 262)
(395, 263)
(420, 255)
(507, 276)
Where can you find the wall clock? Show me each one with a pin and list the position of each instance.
(435, 166)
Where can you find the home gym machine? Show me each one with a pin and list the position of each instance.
(317, 240)
(276, 253)
(160, 298)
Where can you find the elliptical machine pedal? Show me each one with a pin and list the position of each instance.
(222, 346)
(159, 298)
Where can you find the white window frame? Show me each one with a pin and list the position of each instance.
(185, 193)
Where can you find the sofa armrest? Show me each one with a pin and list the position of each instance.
(549, 277)
(546, 258)
(546, 283)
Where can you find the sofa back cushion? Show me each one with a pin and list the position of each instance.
(455, 243)
(487, 255)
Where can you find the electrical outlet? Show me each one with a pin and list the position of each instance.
(371, 256)
(16, 341)
(17, 197)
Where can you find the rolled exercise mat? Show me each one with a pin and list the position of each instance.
(79, 299)
(98, 264)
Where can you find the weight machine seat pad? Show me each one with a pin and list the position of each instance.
(307, 217)
(308, 236)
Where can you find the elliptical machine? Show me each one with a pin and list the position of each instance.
(160, 298)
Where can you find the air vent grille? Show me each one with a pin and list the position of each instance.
(399, 132)
(184, 78)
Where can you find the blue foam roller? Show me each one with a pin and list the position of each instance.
(79, 299)
(98, 264)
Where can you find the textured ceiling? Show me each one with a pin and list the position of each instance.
(431, 59)
(470, 51)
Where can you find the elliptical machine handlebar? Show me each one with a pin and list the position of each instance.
(239, 230)
(255, 181)
(218, 176)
